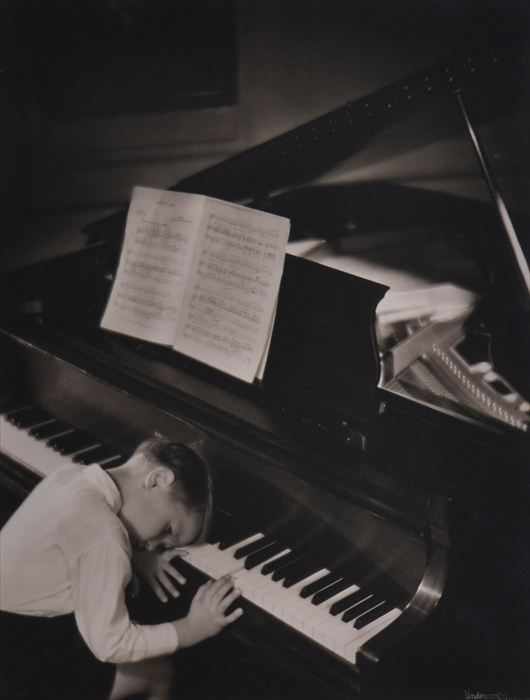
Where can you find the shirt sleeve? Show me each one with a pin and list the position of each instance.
(99, 581)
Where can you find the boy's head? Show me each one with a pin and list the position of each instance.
(166, 494)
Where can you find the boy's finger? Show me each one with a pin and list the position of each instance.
(217, 596)
(228, 619)
(175, 552)
(201, 591)
(221, 587)
(159, 591)
(227, 601)
(179, 578)
(168, 584)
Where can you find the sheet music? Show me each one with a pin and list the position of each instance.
(260, 372)
(236, 271)
(156, 256)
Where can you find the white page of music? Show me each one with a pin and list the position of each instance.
(234, 282)
(156, 256)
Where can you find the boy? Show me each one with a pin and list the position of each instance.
(65, 563)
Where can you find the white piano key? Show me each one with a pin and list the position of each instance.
(315, 622)
(272, 558)
(370, 631)
(216, 562)
(34, 454)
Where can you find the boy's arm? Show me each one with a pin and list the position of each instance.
(99, 581)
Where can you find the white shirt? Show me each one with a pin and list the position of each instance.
(66, 550)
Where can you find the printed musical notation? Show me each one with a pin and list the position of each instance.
(201, 275)
(151, 277)
(234, 285)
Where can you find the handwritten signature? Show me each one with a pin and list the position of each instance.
(476, 695)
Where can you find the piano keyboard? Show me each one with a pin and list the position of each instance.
(328, 605)
(323, 604)
(42, 443)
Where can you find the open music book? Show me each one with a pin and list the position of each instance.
(200, 275)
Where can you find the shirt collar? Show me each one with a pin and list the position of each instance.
(102, 482)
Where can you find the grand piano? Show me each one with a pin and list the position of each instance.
(371, 491)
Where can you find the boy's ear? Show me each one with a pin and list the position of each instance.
(159, 476)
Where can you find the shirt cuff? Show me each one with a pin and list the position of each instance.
(161, 639)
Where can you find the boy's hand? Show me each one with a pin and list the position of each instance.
(207, 612)
(156, 569)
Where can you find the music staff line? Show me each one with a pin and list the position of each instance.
(148, 244)
(250, 247)
(228, 285)
(206, 297)
(203, 291)
(216, 339)
(216, 307)
(238, 262)
(159, 309)
(223, 270)
(161, 234)
(144, 291)
(135, 312)
(147, 269)
(231, 326)
(226, 225)
(149, 258)
(177, 219)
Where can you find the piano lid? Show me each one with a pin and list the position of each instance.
(397, 118)
(403, 237)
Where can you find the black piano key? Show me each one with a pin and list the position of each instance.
(360, 608)
(373, 614)
(16, 408)
(299, 570)
(348, 601)
(114, 462)
(48, 430)
(262, 555)
(95, 455)
(218, 526)
(332, 590)
(277, 565)
(72, 442)
(321, 583)
(289, 563)
(11, 413)
(235, 533)
(28, 417)
(253, 547)
(303, 552)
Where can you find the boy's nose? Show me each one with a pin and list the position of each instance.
(169, 541)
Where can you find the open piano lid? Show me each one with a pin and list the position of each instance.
(323, 366)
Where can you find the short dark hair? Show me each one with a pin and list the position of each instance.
(192, 474)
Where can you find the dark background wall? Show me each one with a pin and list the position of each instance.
(83, 119)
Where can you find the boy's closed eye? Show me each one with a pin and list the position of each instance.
(164, 540)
